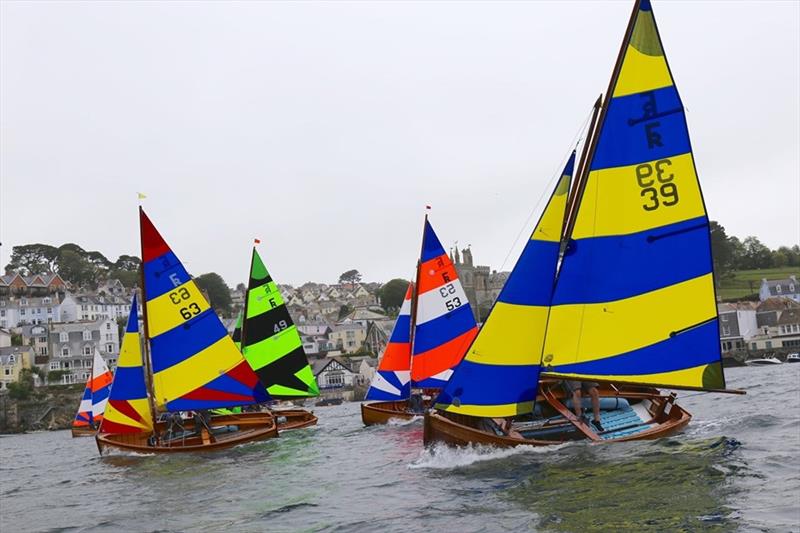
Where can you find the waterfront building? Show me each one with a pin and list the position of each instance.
(5, 338)
(18, 311)
(72, 347)
(347, 337)
(12, 360)
(737, 324)
(780, 288)
(16, 285)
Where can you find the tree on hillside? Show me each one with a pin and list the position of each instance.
(127, 262)
(345, 310)
(392, 294)
(721, 249)
(756, 255)
(75, 269)
(30, 259)
(351, 276)
(218, 291)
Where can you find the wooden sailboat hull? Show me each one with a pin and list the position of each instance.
(87, 431)
(249, 428)
(382, 412)
(288, 419)
(461, 430)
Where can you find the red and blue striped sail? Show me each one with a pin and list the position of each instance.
(500, 372)
(196, 364)
(392, 380)
(84, 417)
(101, 387)
(444, 326)
(128, 409)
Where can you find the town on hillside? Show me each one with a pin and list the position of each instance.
(53, 329)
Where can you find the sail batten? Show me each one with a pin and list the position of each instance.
(637, 275)
(196, 365)
(270, 341)
(499, 375)
(444, 325)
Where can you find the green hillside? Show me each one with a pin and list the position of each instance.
(743, 283)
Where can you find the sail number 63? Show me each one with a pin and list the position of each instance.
(657, 186)
(179, 297)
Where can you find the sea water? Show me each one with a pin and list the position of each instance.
(735, 467)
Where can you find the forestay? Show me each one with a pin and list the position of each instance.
(634, 301)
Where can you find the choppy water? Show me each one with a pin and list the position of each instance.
(736, 467)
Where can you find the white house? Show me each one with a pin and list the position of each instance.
(782, 288)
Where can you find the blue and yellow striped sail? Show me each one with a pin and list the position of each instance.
(499, 374)
(634, 301)
(128, 408)
(196, 364)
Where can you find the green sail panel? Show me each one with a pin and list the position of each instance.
(270, 341)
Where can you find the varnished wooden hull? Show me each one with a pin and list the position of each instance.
(87, 431)
(460, 430)
(381, 412)
(251, 427)
(294, 419)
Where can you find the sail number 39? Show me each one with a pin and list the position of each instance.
(179, 297)
(656, 183)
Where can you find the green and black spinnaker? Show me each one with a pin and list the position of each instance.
(270, 341)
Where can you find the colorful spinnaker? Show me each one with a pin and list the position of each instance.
(499, 374)
(634, 301)
(195, 363)
(444, 325)
(393, 376)
(128, 409)
(270, 340)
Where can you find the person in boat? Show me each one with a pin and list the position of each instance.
(575, 390)
(501, 427)
(416, 404)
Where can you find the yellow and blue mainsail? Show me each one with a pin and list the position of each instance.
(270, 341)
(444, 325)
(499, 374)
(634, 300)
(392, 380)
(128, 409)
(195, 363)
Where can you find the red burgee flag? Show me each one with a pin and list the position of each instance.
(257, 241)
(427, 207)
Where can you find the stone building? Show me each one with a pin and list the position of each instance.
(481, 284)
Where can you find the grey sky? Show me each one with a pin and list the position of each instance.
(325, 128)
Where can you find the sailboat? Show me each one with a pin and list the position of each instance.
(614, 287)
(193, 365)
(271, 344)
(433, 329)
(93, 401)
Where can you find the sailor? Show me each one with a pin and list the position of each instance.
(416, 404)
(575, 390)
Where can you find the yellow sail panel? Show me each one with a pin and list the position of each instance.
(499, 375)
(634, 300)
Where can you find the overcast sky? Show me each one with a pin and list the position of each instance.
(324, 128)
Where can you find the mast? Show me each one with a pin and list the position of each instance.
(415, 292)
(588, 156)
(148, 371)
(246, 298)
(580, 178)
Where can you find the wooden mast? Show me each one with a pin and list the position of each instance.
(415, 292)
(148, 370)
(587, 161)
(580, 176)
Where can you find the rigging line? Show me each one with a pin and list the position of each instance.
(576, 140)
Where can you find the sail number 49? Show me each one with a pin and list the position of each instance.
(179, 297)
(657, 186)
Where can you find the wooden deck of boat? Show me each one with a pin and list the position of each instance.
(649, 415)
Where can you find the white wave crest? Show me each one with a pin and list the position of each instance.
(403, 422)
(441, 456)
